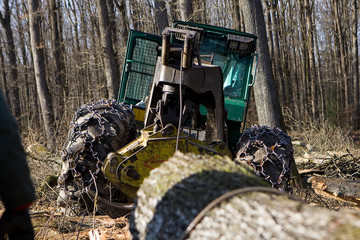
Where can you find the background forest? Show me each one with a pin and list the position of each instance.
(313, 47)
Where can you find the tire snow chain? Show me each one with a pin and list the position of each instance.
(87, 139)
(255, 141)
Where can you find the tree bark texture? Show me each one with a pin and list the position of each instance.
(121, 6)
(186, 10)
(180, 188)
(266, 94)
(312, 66)
(355, 64)
(39, 69)
(59, 71)
(107, 45)
(278, 70)
(161, 15)
(14, 88)
(175, 193)
(343, 67)
(3, 74)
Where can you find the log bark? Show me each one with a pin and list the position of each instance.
(167, 203)
(176, 192)
(337, 188)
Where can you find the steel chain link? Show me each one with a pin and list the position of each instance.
(88, 141)
(255, 140)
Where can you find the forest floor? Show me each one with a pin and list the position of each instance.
(50, 223)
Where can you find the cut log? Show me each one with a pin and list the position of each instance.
(175, 194)
(339, 189)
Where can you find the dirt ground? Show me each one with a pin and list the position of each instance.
(50, 223)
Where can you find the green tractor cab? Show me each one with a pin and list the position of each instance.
(233, 51)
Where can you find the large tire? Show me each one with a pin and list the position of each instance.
(269, 152)
(97, 129)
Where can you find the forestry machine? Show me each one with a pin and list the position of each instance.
(187, 90)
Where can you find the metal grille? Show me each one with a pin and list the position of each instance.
(142, 69)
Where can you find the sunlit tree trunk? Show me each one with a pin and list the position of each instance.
(3, 82)
(121, 6)
(37, 48)
(161, 15)
(237, 15)
(311, 53)
(266, 95)
(186, 10)
(340, 30)
(304, 63)
(107, 45)
(355, 64)
(269, 29)
(59, 70)
(114, 37)
(134, 6)
(14, 96)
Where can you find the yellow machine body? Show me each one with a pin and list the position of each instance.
(128, 167)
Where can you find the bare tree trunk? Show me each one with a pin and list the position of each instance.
(134, 6)
(266, 95)
(237, 15)
(304, 61)
(337, 72)
(3, 82)
(203, 9)
(107, 45)
(186, 10)
(284, 40)
(277, 63)
(355, 64)
(114, 37)
(121, 6)
(311, 52)
(319, 78)
(269, 29)
(174, 10)
(161, 15)
(342, 59)
(39, 68)
(56, 42)
(14, 96)
(297, 94)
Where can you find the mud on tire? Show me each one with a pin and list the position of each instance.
(97, 129)
(269, 152)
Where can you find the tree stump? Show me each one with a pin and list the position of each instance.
(175, 194)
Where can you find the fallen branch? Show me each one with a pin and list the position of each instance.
(339, 189)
